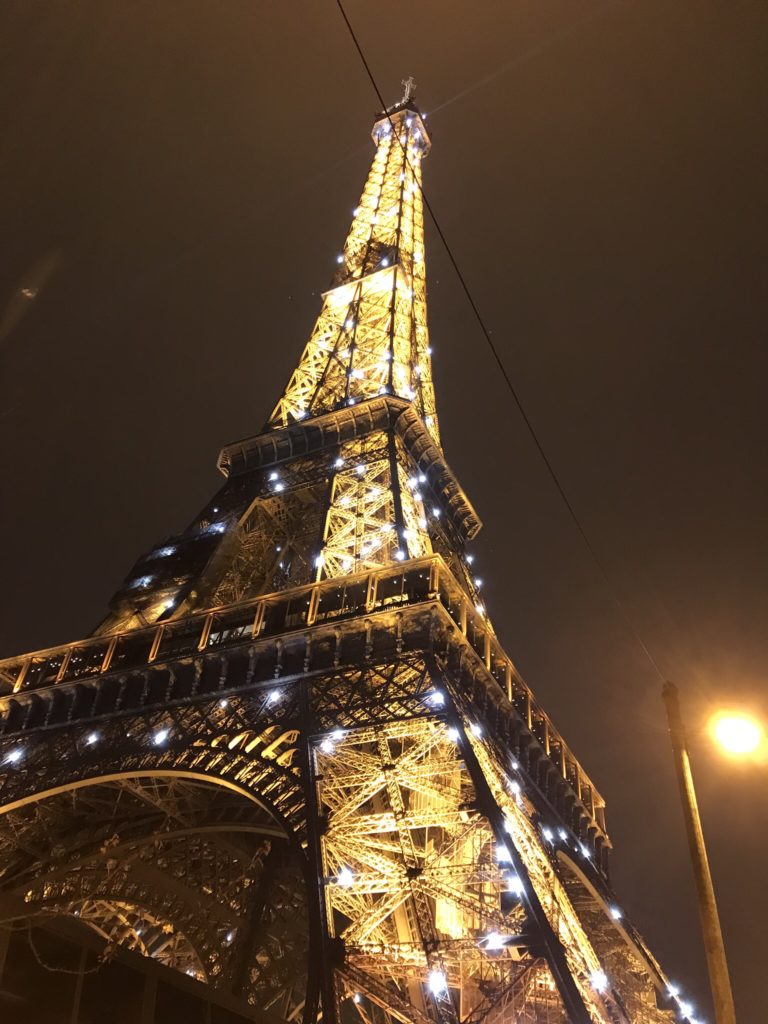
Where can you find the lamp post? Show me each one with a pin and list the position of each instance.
(717, 965)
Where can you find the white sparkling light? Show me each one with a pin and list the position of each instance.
(438, 983)
(223, 702)
(92, 738)
(14, 755)
(616, 913)
(599, 981)
(503, 855)
(494, 941)
(548, 834)
(345, 878)
(273, 696)
(515, 885)
(437, 697)
(453, 734)
(327, 746)
(160, 737)
(476, 730)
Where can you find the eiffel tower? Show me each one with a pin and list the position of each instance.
(293, 764)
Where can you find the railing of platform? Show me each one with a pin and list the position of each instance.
(413, 582)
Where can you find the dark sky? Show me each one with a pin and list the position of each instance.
(175, 180)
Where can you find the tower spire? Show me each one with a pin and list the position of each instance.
(371, 335)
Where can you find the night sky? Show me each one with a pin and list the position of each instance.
(175, 181)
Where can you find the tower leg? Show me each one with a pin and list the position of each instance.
(555, 954)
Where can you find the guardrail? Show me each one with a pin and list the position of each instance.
(273, 614)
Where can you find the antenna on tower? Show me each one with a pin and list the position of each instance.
(410, 88)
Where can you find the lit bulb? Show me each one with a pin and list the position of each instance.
(345, 878)
(494, 941)
(438, 983)
(599, 981)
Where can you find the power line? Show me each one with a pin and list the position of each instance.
(508, 380)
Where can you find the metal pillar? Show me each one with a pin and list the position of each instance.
(714, 947)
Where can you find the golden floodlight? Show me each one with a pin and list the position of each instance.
(737, 733)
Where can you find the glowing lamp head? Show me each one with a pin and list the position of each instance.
(737, 734)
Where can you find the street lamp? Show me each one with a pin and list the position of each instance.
(736, 734)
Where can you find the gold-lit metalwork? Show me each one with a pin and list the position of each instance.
(294, 760)
(371, 336)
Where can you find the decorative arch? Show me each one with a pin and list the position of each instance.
(107, 878)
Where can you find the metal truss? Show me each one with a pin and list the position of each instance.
(421, 910)
(371, 335)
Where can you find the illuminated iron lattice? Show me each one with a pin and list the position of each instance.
(294, 761)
